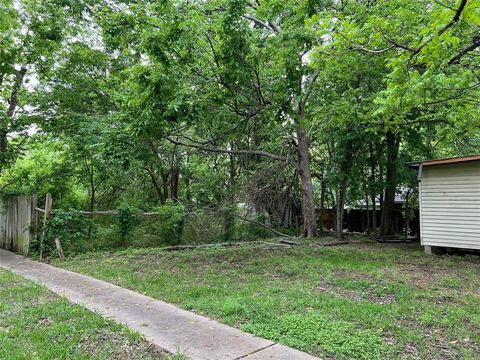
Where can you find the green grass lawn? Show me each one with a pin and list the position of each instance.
(363, 300)
(36, 324)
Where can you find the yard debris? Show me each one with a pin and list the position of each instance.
(288, 242)
(264, 226)
(333, 243)
(282, 243)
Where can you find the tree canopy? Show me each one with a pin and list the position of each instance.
(284, 108)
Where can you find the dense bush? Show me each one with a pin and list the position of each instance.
(127, 220)
(168, 224)
(70, 226)
(171, 221)
(202, 226)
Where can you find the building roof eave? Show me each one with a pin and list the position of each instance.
(454, 160)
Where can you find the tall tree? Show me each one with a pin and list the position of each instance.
(243, 65)
(431, 74)
(33, 33)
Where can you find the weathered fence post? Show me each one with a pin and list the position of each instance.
(34, 210)
(48, 210)
(58, 245)
(3, 224)
(33, 222)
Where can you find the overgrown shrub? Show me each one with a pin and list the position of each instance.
(127, 220)
(203, 226)
(245, 231)
(70, 226)
(229, 222)
(171, 221)
(170, 224)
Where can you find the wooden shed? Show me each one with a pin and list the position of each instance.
(449, 193)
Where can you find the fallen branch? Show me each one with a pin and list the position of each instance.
(395, 240)
(279, 245)
(180, 247)
(211, 245)
(265, 226)
(288, 242)
(336, 243)
(218, 245)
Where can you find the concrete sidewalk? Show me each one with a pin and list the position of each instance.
(164, 325)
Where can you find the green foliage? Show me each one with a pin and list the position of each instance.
(176, 97)
(70, 226)
(337, 337)
(202, 226)
(170, 223)
(32, 39)
(127, 218)
(45, 168)
(246, 231)
(229, 213)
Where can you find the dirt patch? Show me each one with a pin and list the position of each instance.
(121, 347)
(353, 275)
(410, 351)
(438, 343)
(449, 349)
(354, 295)
(375, 246)
(360, 296)
(42, 299)
(423, 276)
(383, 299)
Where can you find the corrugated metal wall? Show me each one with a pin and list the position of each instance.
(16, 216)
(450, 205)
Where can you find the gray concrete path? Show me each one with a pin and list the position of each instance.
(163, 324)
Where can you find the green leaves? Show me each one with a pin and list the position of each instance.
(67, 225)
(127, 218)
(171, 218)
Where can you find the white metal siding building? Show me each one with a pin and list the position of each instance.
(449, 193)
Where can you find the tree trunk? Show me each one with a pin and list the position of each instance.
(13, 102)
(345, 168)
(407, 210)
(155, 183)
(164, 197)
(3, 148)
(287, 216)
(229, 211)
(92, 195)
(392, 143)
(12, 106)
(188, 192)
(91, 202)
(174, 183)
(309, 216)
(374, 215)
(373, 195)
(367, 211)
(341, 194)
(322, 202)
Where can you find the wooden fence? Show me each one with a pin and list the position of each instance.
(356, 220)
(17, 216)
